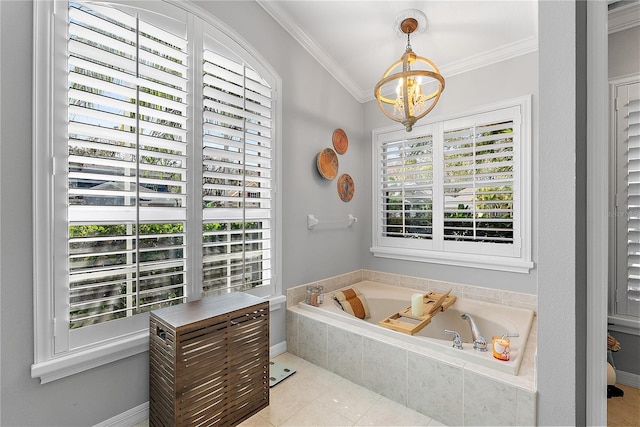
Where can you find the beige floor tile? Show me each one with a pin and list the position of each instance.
(316, 414)
(349, 399)
(389, 413)
(293, 393)
(307, 374)
(256, 421)
(284, 403)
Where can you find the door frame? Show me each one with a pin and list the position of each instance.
(597, 208)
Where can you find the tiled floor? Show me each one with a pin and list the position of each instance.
(316, 397)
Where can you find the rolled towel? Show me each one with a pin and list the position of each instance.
(353, 302)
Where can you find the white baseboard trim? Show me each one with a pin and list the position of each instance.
(128, 418)
(628, 379)
(277, 349)
(141, 412)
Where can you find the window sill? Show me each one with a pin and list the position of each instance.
(79, 361)
(74, 362)
(626, 325)
(487, 262)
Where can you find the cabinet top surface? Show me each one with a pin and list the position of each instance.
(195, 311)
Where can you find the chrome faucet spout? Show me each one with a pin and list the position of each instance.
(475, 332)
(479, 342)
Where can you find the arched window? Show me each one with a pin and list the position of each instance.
(155, 149)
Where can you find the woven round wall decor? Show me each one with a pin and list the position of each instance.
(327, 163)
(340, 141)
(346, 187)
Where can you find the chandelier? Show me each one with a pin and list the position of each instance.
(405, 78)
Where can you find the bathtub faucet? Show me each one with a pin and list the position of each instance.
(479, 343)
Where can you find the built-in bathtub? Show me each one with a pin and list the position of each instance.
(424, 373)
(491, 319)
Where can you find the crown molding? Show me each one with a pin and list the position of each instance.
(327, 62)
(502, 53)
(624, 17)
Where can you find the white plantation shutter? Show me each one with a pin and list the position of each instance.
(454, 191)
(633, 143)
(237, 177)
(479, 182)
(628, 216)
(406, 171)
(154, 173)
(127, 164)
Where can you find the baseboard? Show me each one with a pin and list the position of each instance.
(128, 418)
(277, 349)
(141, 412)
(628, 379)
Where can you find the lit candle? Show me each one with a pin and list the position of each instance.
(417, 305)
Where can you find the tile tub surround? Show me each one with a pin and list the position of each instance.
(515, 299)
(450, 390)
(445, 388)
(492, 319)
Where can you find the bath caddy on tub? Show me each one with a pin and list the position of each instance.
(404, 321)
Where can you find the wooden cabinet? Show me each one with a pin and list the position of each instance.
(209, 361)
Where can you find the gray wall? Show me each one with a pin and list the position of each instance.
(561, 213)
(313, 106)
(624, 59)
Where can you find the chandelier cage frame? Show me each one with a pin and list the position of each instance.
(410, 104)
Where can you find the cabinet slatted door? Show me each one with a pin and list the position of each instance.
(209, 361)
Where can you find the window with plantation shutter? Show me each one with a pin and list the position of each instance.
(478, 183)
(456, 190)
(127, 165)
(155, 167)
(237, 177)
(407, 187)
(627, 134)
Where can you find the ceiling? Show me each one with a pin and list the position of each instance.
(356, 40)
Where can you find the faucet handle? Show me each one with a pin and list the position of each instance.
(510, 335)
(480, 344)
(457, 341)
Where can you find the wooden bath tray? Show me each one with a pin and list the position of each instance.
(404, 321)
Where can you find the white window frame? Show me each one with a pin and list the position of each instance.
(50, 365)
(516, 257)
(619, 308)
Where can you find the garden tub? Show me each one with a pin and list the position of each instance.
(491, 319)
